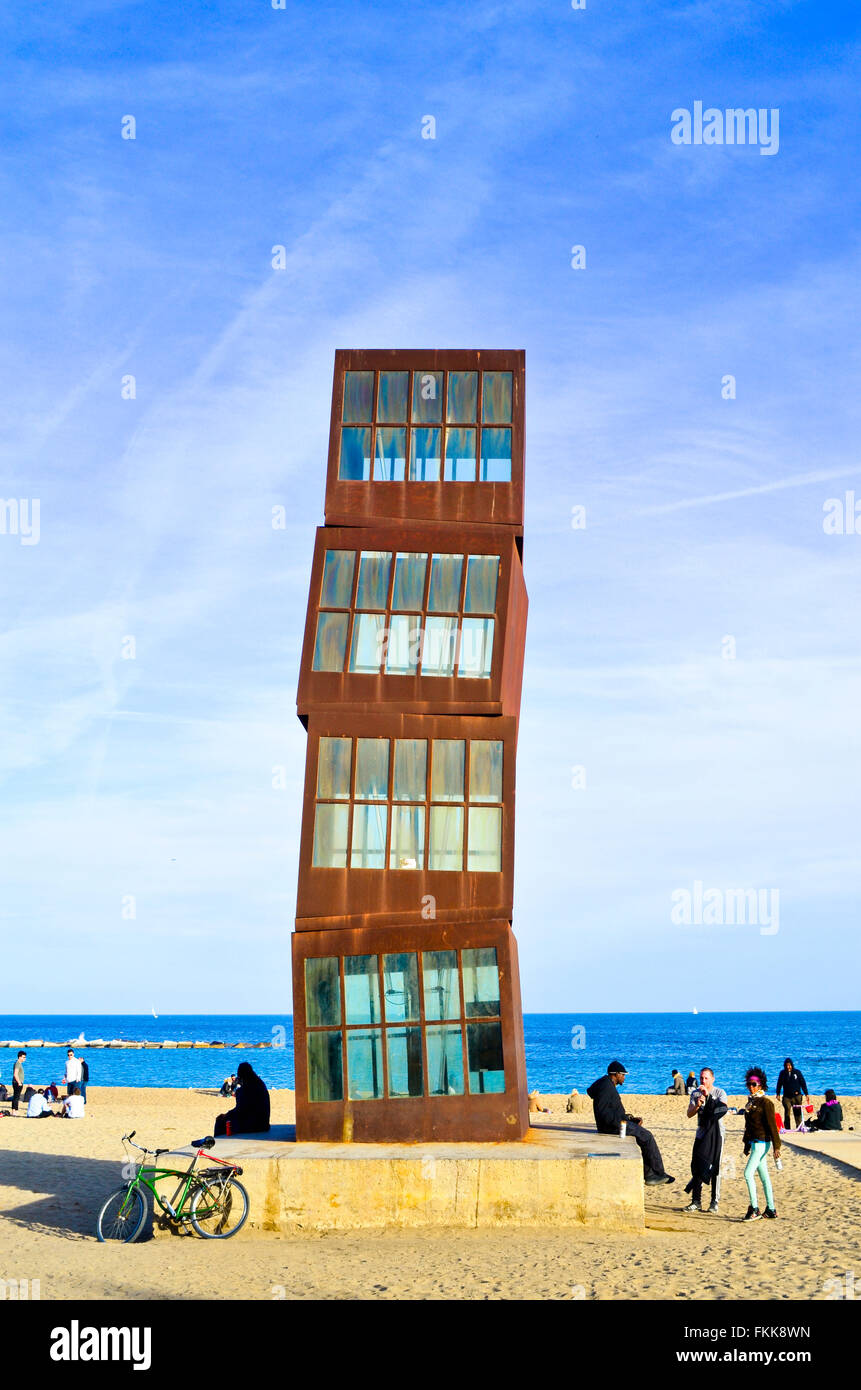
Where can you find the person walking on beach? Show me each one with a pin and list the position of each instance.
(18, 1079)
(609, 1115)
(709, 1103)
(791, 1082)
(676, 1086)
(760, 1135)
(72, 1074)
(251, 1112)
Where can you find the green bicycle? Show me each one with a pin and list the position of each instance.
(212, 1200)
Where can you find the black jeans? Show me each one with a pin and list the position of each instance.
(652, 1161)
(16, 1094)
(791, 1104)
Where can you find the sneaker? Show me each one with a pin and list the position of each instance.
(714, 1209)
(692, 1206)
(655, 1178)
(770, 1213)
(753, 1214)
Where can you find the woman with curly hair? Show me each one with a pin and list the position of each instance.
(760, 1135)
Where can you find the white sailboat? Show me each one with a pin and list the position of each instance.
(154, 1014)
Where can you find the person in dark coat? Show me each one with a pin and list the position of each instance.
(610, 1112)
(791, 1082)
(251, 1112)
(709, 1103)
(830, 1114)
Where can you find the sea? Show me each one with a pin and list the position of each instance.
(564, 1052)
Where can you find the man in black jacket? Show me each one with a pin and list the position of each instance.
(609, 1114)
(792, 1084)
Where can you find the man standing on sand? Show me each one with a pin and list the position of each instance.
(609, 1115)
(72, 1075)
(709, 1103)
(791, 1082)
(18, 1079)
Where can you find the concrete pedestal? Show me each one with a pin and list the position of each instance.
(558, 1175)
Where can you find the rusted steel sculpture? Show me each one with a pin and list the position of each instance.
(407, 1016)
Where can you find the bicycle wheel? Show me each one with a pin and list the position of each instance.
(219, 1209)
(122, 1215)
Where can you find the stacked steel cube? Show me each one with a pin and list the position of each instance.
(407, 1014)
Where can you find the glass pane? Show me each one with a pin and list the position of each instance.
(338, 579)
(322, 992)
(496, 403)
(372, 769)
(482, 573)
(476, 647)
(409, 590)
(401, 986)
(427, 396)
(445, 1062)
(485, 840)
(325, 1067)
(444, 592)
(330, 837)
(447, 765)
(424, 456)
(355, 464)
(390, 455)
(394, 389)
(368, 850)
(374, 569)
(459, 456)
(405, 1061)
(404, 645)
(462, 396)
(495, 456)
(333, 768)
(486, 1069)
(330, 644)
(442, 989)
(485, 769)
(365, 1064)
(368, 645)
(480, 983)
(446, 839)
(439, 647)
(411, 769)
(358, 396)
(408, 838)
(362, 989)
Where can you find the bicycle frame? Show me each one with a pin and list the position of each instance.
(147, 1176)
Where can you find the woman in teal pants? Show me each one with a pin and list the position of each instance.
(760, 1136)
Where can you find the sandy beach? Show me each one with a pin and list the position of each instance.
(54, 1176)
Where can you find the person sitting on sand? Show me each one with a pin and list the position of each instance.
(760, 1134)
(228, 1086)
(535, 1106)
(73, 1105)
(38, 1107)
(251, 1113)
(830, 1114)
(676, 1086)
(690, 1083)
(609, 1114)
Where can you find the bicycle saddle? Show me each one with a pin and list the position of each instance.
(207, 1143)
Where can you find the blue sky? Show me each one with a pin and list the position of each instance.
(152, 777)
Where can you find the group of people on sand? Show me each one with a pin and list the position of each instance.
(41, 1100)
(708, 1104)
